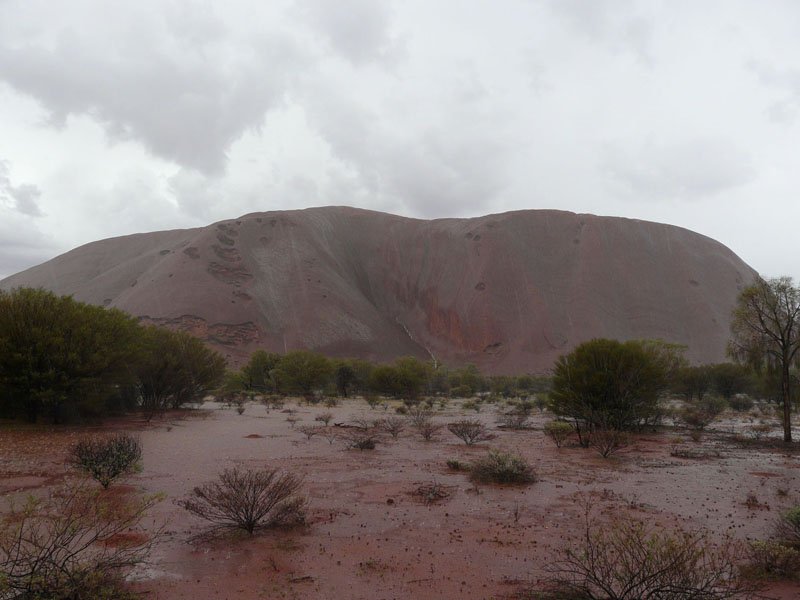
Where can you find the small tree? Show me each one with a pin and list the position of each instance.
(610, 384)
(249, 500)
(766, 333)
(107, 459)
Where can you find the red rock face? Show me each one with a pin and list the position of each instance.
(508, 292)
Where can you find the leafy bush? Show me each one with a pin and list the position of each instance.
(248, 500)
(787, 529)
(699, 415)
(456, 465)
(773, 559)
(106, 459)
(71, 544)
(629, 561)
(740, 403)
(558, 431)
(502, 467)
(461, 391)
(470, 431)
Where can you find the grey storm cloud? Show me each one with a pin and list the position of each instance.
(356, 29)
(22, 198)
(186, 97)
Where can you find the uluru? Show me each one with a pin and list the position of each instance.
(509, 292)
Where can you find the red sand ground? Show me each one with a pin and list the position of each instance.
(370, 537)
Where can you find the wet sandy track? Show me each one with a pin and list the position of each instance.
(371, 537)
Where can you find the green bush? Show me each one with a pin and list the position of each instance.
(558, 431)
(788, 527)
(502, 467)
(456, 465)
(773, 559)
(107, 459)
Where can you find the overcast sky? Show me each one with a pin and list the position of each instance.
(123, 117)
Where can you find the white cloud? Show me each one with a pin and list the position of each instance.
(22, 198)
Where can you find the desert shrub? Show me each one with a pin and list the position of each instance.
(772, 559)
(361, 423)
(471, 405)
(429, 430)
(359, 439)
(310, 430)
(331, 401)
(630, 561)
(740, 403)
(394, 426)
(787, 529)
(461, 391)
(372, 400)
(240, 409)
(608, 441)
(456, 465)
(401, 410)
(502, 467)
(248, 499)
(700, 415)
(516, 418)
(470, 431)
(558, 431)
(324, 418)
(72, 544)
(540, 402)
(107, 459)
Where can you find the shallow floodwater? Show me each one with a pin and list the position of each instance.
(370, 536)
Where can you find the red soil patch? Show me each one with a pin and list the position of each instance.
(370, 533)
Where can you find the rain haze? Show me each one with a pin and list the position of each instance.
(122, 117)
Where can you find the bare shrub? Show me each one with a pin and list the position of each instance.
(310, 430)
(630, 561)
(608, 441)
(324, 418)
(361, 423)
(422, 420)
(516, 418)
(470, 431)
(394, 426)
(74, 543)
(249, 500)
(107, 459)
(330, 434)
(433, 493)
(502, 467)
(359, 439)
(558, 431)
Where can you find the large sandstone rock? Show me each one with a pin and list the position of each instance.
(509, 292)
